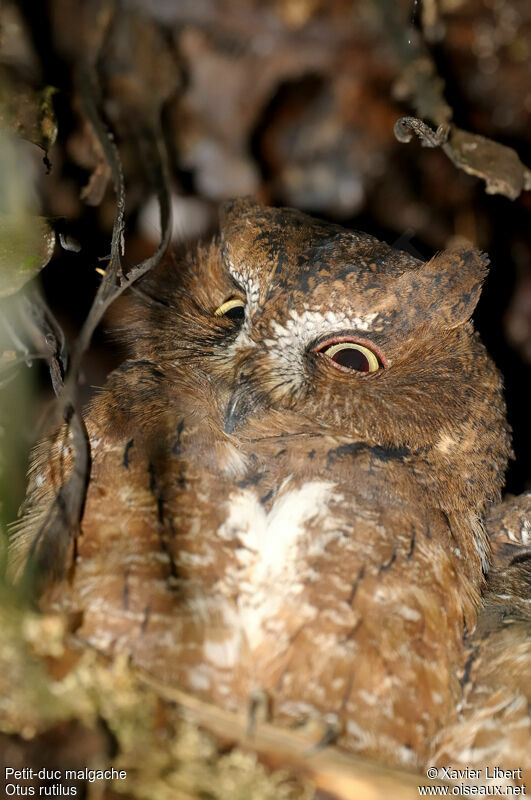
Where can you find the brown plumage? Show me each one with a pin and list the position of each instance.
(494, 720)
(259, 518)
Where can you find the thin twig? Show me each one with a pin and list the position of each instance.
(407, 126)
(422, 88)
(50, 547)
(332, 770)
(25, 358)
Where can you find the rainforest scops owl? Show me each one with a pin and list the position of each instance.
(289, 477)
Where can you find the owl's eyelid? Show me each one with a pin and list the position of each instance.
(230, 303)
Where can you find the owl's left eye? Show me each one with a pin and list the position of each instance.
(233, 308)
(350, 356)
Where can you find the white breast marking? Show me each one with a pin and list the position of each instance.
(272, 546)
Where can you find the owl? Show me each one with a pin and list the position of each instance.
(494, 721)
(289, 480)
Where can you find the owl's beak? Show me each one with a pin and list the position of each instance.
(241, 405)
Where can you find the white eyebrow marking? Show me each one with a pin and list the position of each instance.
(309, 324)
(252, 287)
(300, 329)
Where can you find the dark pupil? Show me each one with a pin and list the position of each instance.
(353, 359)
(237, 314)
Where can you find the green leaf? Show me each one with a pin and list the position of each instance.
(26, 246)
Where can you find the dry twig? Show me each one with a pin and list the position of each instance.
(50, 547)
(420, 85)
(343, 775)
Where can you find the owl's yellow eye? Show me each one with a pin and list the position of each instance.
(351, 356)
(233, 308)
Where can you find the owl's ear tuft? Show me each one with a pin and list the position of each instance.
(241, 220)
(239, 217)
(238, 207)
(457, 275)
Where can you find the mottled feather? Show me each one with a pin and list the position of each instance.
(257, 519)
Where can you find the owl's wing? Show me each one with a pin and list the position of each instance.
(495, 720)
(50, 469)
(43, 536)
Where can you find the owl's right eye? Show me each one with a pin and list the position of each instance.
(233, 308)
(351, 355)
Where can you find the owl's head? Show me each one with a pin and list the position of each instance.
(303, 326)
